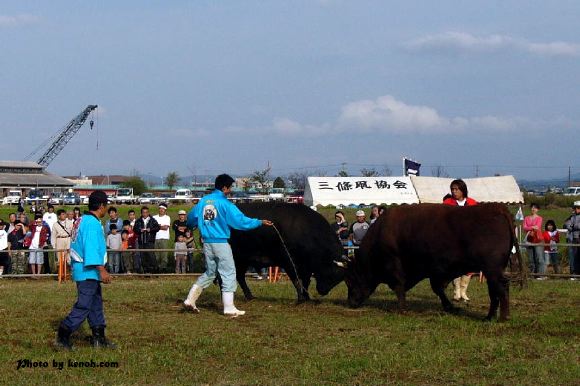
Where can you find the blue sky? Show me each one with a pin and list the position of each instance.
(232, 85)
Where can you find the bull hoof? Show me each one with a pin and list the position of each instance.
(249, 297)
(302, 301)
(488, 319)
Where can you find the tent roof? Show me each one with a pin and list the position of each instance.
(485, 189)
(359, 190)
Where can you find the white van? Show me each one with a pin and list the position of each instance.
(12, 198)
(572, 191)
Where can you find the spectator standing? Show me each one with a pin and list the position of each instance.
(551, 239)
(126, 256)
(16, 240)
(190, 242)
(113, 219)
(4, 248)
(114, 243)
(146, 227)
(11, 222)
(214, 215)
(21, 204)
(180, 225)
(340, 227)
(180, 254)
(60, 236)
(572, 225)
(88, 253)
(77, 212)
(460, 197)
(162, 237)
(359, 228)
(50, 217)
(376, 211)
(533, 226)
(35, 241)
(132, 218)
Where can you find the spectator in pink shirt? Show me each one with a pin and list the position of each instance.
(533, 227)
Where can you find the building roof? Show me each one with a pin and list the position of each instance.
(20, 164)
(27, 174)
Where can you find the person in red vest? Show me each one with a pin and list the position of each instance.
(459, 197)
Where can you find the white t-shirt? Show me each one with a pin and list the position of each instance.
(36, 239)
(3, 240)
(163, 220)
(50, 219)
(462, 202)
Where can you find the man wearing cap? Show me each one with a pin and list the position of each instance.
(162, 237)
(88, 258)
(214, 215)
(359, 229)
(180, 225)
(572, 225)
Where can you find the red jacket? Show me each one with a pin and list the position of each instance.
(44, 235)
(548, 239)
(453, 202)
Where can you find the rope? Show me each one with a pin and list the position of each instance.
(301, 287)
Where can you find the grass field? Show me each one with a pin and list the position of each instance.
(278, 342)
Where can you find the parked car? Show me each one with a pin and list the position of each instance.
(55, 198)
(147, 198)
(572, 191)
(13, 197)
(71, 199)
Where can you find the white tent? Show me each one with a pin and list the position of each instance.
(485, 189)
(359, 190)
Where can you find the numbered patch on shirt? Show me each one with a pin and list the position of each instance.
(209, 213)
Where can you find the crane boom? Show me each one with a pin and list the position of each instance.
(64, 136)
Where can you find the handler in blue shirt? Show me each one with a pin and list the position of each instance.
(88, 259)
(214, 215)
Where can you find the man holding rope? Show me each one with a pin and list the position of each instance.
(214, 215)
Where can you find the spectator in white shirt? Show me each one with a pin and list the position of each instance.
(162, 237)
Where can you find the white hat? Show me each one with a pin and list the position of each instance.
(163, 205)
(182, 212)
(576, 204)
(360, 213)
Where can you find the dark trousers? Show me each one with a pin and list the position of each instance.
(89, 306)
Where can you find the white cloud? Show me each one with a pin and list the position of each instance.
(187, 133)
(466, 42)
(17, 20)
(386, 114)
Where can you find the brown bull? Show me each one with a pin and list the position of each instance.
(410, 243)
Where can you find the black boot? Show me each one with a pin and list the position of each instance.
(99, 340)
(63, 337)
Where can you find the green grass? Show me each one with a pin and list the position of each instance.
(278, 342)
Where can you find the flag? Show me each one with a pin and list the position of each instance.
(411, 167)
(520, 215)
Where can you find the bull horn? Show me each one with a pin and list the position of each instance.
(341, 264)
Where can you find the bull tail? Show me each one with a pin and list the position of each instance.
(518, 273)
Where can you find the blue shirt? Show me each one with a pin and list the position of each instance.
(88, 242)
(215, 214)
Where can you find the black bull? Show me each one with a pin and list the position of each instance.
(410, 243)
(312, 245)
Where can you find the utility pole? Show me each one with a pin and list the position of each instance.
(569, 176)
(476, 170)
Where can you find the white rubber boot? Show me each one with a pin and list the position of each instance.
(464, 284)
(192, 297)
(457, 289)
(229, 308)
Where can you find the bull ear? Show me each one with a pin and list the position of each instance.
(341, 264)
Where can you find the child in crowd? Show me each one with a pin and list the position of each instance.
(125, 254)
(4, 256)
(552, 238)
(114, 242)
(35, 240)
(190, 242)
(180, 254)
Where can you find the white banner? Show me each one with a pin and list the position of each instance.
(359, 190)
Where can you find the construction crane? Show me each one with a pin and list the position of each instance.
(62, 137)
